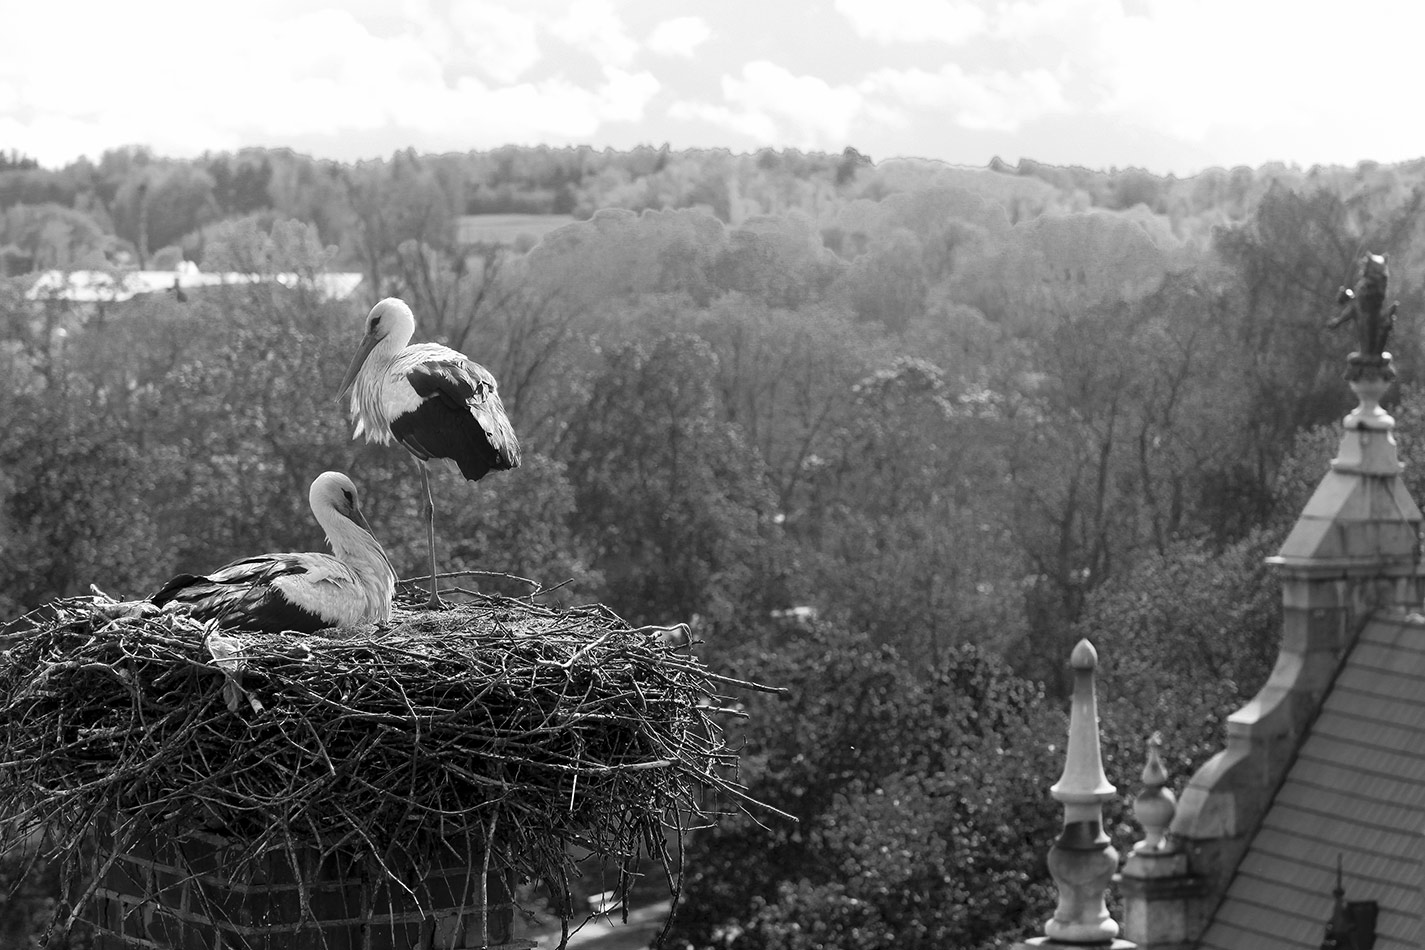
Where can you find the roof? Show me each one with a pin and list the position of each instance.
(1357, 790)
(99, 286)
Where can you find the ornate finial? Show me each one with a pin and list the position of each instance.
(1368, 368)
(1365, 305)
(1082, 860)
(1083, 779)
(1156, 804)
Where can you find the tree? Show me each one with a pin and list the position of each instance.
(162, 204)
(41, 237)
(1287, 261)
(394, 202)
(922, 817)
(784, 377)
(905, 547)
(672, 500)
(74, 491)
(511, 526)
(1185, 639)
(888, 284)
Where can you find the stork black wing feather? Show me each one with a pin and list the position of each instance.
(455, 384)
(445, 425)
(435, 430)
(241, 594)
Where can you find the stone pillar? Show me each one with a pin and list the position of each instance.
(1156, 885)
(1082, 860)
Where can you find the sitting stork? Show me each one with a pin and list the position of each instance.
(349, 588)
(437, 403)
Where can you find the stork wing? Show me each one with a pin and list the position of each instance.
(250, 570)
(237, 587)
(262, 569)
(457, 382)
(463, 384)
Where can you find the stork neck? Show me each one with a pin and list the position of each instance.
(354, 545)
(388, 347)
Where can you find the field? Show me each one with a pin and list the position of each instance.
(506, 228)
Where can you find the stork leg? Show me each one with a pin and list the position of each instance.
(429, 511)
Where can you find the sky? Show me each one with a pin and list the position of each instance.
(1173, 86)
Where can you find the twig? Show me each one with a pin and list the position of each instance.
(559, 725)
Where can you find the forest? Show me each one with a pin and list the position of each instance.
(965, 415)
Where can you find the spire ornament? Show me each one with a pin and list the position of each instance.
(1156, 804)
(1368, 368)
(1082, 860)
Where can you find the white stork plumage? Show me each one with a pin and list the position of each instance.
(349, 588)
(434, 401)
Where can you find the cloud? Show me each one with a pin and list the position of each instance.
(914, 21)
(502, 42)
(323, 74)
(771, 105)
(556, 110)
(774, 106)
(595, 27)
(998, 101)
(679, 36)
(941, 77)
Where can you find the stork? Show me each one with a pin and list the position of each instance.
(349, 588)
(434, 401)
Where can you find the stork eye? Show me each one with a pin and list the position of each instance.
(350, 498)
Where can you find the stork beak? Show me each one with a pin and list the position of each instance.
(368, 343)
(360, 518)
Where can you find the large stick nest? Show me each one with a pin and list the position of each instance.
(545, 730)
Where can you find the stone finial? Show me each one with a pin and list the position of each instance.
(1083, 780)
(1156, 804)
(1082, 860)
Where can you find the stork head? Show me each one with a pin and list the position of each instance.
(333, 491)
(390, 322)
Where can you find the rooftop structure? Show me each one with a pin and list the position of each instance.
(102, 286)
(1323, 774)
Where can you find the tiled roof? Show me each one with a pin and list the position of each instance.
(1357, 790)
(94, 286)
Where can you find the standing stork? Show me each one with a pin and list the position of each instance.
(437, 403)
(349, 588)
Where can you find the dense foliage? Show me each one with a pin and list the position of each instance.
(969, 414)
(919, 796)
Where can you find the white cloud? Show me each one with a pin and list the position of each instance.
(322, 73)
(773, 106)
(914, 21)
(770, 105)
(679, 36)
(999, 101)
(473, 114)
(184, 78)
(1173, 70)
(595, 27)
(502, 42)
(758, 127)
